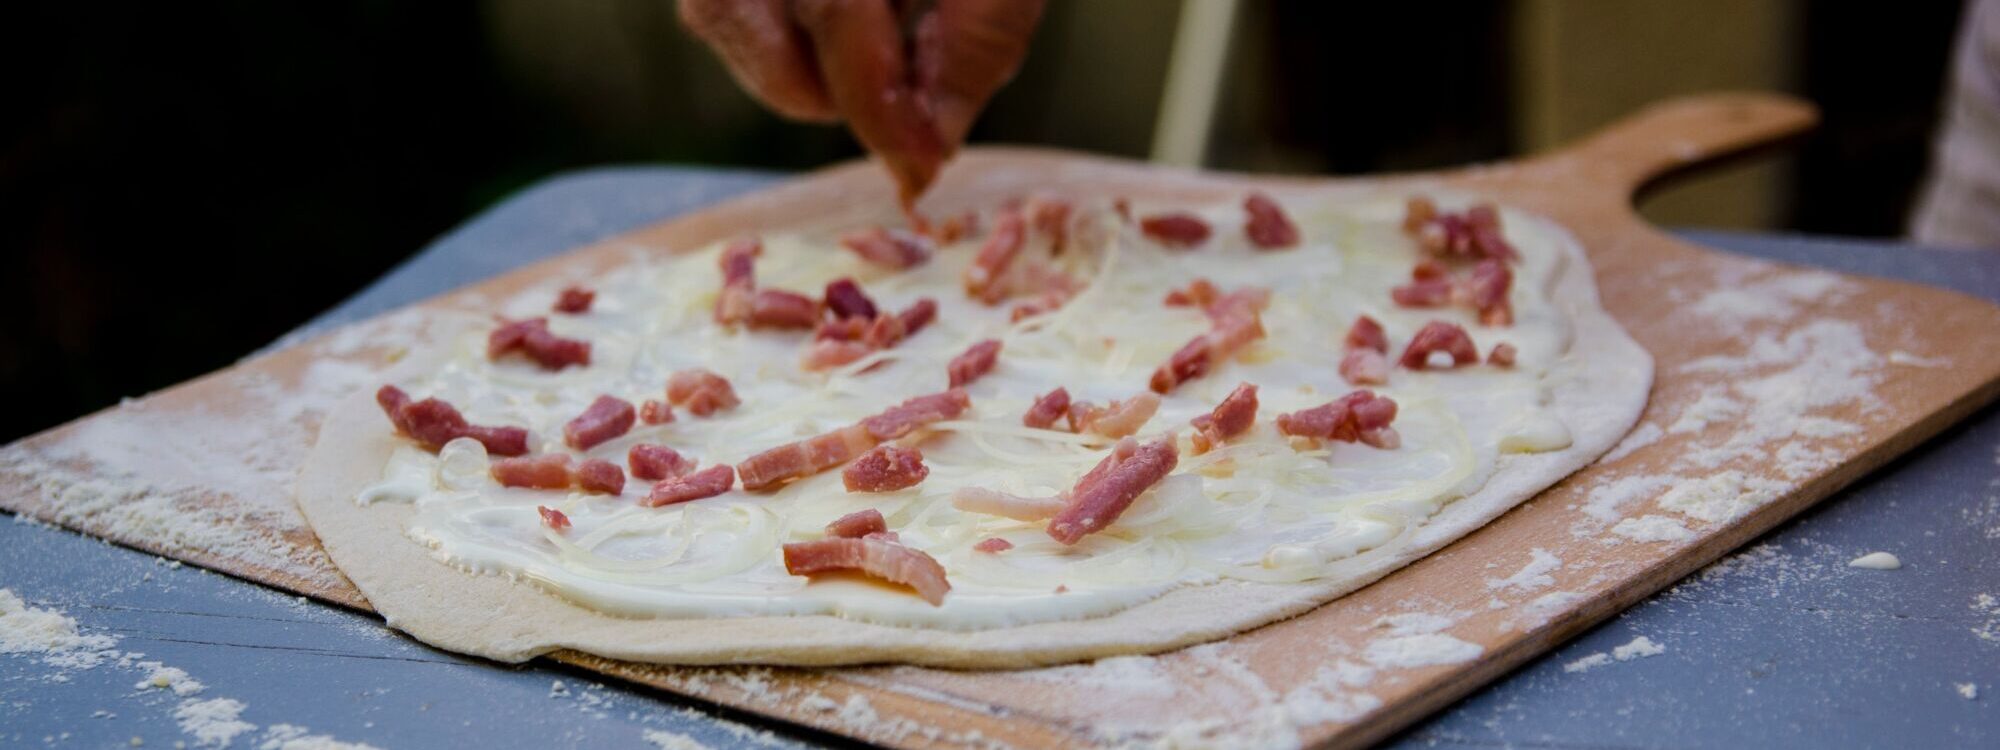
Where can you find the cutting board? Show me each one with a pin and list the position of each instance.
(1775, 387)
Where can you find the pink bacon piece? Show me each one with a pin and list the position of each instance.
(888, 248)
(544, 472)
(1234, 322)
(1047, 409)
(1430, 286)
(739, 280)
(1475, 233)
(993, 545)
(846, 301)
(1117, 482)
(552, 518)
(1230, 418)
(605, 418)
(877, 557)
(1177, 230)
(1439, 336)
(974, 363)
(886, 468)
(804, 458)
(1118, 420)
(600, 476)
(706, 483)
(1487, 290)
(983, 278)
(433, 422)
(1266, 225)
(1367, 334)
(533, 338)
(1360, 416)
(1198, 293)
(655, 412)
(1502, 355)
(1050, 218)
(1364, 367)
(574, 300)
(701, 392)
(777, 308)
(899, 420)
(995, 503)
(954, 228)
(653, 463)
(858, 524)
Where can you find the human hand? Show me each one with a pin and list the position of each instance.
(909, 100)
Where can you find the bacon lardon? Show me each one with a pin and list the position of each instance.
(701, 392)
(1473, 234)
(1117, 483)
(1177, 230)
(739, 280)
(804, 458)
(1050, 218)
(549, 471)
(846, 301)
(706, 483)
(1439, 336)
(1230, 418)
(1266, 225)
(877, 557)
(605, 418)
(777, 308)
(1118, 420)
(653, 463)
(1366, 333)
(1503, 355)
(1364, 367)
(973, 363)
(954, 228)
(886, 468)
(1361, 416)
(600, 476)
(901, 419)
(655, 412)
(995, 503)
(993, 545)
(1234, 322)
(1198, 293)
(858, 524)
(533, 338)
(552, 518)
(888, 248)
(1487, 289)
(984, 278)
(1047, 409)
(433, 422)
(574, 300)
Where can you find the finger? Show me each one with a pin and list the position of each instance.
(967, 49)
(765, 52)
(860, 49)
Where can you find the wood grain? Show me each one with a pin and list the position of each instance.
(1951, 366)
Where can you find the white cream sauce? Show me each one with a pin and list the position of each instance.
(1259, 509)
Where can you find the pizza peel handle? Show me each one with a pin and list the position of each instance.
(1672, 135)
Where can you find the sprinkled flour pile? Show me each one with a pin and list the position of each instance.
(1638, 648)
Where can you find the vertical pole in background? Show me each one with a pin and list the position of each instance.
(1194, 82)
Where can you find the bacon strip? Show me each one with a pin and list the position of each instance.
(1502, 356)
(1234, 322)
(1430, 286)
(1367, 334)
(804, 458)
(858, 524)
(701, 392)
(433, 422)
(1047, 409)
(605, 418)
(1050, 217)
(1096, 506)
(574, 300)
(706, 483)
(993, 545)
(1177, 230)
(1230, 418)
(1474, 234)
(549, 471)
(887, 468)
(777, 308)
(845, 300)
(1360, 416)
(1124, 449)
(533, 338)
(994, 503)
(1266, 225)
(1118, 420)
(983, 276)
(653, 463)
(888, 248)
(877, 557)
(655, 412)
(1439, 336)
(553, 518)
(901, 419)
(1198, 293)
(599, 475)
(739, 280)
(1364, 367)
(955, 228)
(973, 363)
(1488, 289)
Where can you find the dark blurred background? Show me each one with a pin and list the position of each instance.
(181, 183)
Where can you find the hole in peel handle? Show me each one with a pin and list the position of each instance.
(1675, 134)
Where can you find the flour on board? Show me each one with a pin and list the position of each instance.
(1534, 575)
(1653, 528)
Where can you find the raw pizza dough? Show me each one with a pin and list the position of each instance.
(1597, 389)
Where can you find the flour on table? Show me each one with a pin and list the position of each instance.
(1653, 528)
(665, 740)
(1876, 561)
(1638, 648)
(172, 679)
(1967, 690)
(1987, 608)
(51, 635)
(213, 722)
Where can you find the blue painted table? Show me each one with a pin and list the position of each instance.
(1781, 645)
